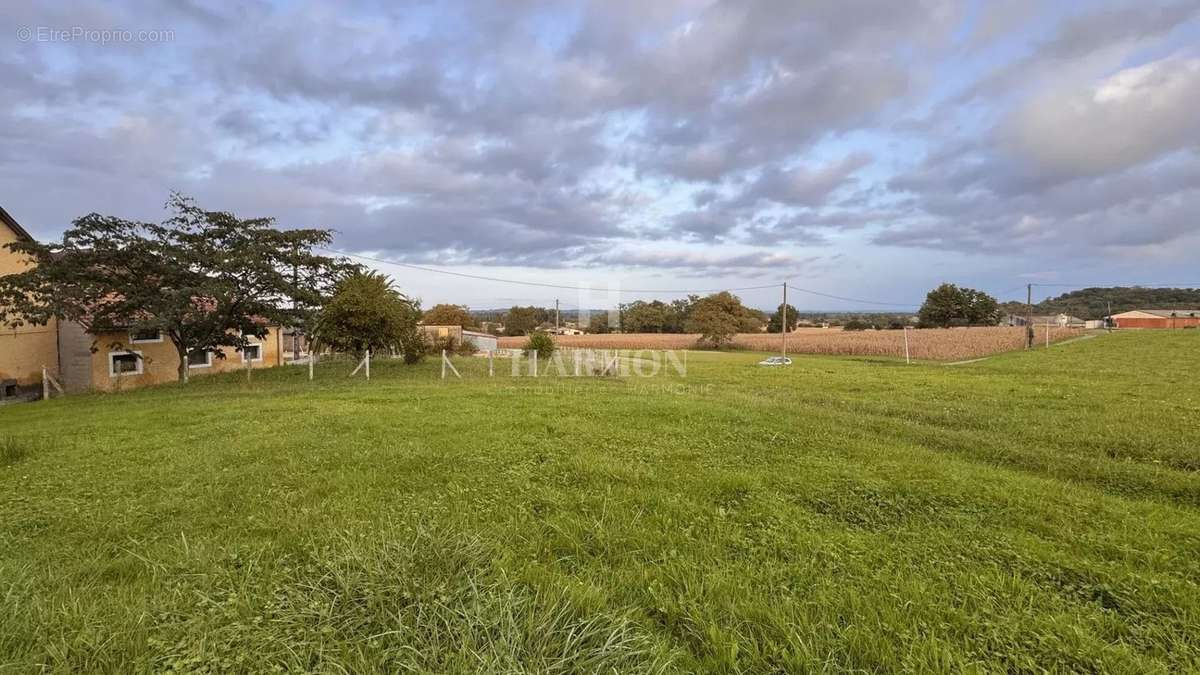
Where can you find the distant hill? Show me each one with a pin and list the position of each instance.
(1094, 303)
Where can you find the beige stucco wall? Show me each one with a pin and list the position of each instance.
(24, 351)
(160, 362)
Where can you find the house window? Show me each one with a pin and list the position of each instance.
(144, 336)
(124, 363)
(252, 353)
(199, 358)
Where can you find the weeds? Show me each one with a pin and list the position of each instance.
(13, 449)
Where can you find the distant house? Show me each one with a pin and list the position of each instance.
(567, 330)
(1060, 320)
(483, 342)
(440, 333)
(458, 335)
(1158, 318)
(82, 361)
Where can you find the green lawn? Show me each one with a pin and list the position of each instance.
(1037, 510)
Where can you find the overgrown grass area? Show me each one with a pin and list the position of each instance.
(1037, 510)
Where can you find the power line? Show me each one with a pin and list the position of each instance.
(538, 284)
(843, 298)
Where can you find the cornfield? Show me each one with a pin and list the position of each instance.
(935, 344)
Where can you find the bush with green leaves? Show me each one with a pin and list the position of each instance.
(366, 312)
(541, 343)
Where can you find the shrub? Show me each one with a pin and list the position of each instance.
(541, 343)
(413, 344)
(856, 324)
(451, 346)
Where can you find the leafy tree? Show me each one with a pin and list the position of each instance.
(856, 324)
(541, 343)
(449, 315)
(523, 320)
(949, 305)
(678, 314)
(644, 317)
(598, 323)
(204, 279)
(776, 321)
(367, 312)
(718, 318)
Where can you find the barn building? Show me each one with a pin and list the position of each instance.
(1158, 318)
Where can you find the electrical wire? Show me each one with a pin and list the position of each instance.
(538, 284)
(845, 299)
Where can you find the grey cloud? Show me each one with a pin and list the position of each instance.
(801, 186)
(1128, 118)
(487, 137)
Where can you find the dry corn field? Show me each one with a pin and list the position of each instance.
(935, 344)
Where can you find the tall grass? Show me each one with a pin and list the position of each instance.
(1037, 511)
(14, 449)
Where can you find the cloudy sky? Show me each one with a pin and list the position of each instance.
(863, 149)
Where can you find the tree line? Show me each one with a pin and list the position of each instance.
(1098, 302)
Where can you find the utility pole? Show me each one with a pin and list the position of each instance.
(556, 316)
(783, 326)
(1028, 316)
(295, 304)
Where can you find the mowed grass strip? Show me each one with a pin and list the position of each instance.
(1037, 510)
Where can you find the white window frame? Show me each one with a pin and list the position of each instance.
(141, 363)
(206, 364)
(256, 345)
(135, 341)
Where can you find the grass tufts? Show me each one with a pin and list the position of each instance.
(13, 449)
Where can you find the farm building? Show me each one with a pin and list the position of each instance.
(458, 335)
(1158, 318)
(483, 342)
(1060, 320)
(81, 361)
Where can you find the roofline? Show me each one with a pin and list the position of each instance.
(14, 225)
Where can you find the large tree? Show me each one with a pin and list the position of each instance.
(656, 316)
(205, 279)
(523, 320)
(449, 315)
(775, 323)
(598, 323)
(719, 317)
(949, 305)
(367, 312)
(644, 317)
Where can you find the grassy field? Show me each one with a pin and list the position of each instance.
(1037, 510)
(936, 344)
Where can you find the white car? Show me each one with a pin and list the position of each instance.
(775, 361)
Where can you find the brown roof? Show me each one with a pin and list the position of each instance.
(1160, 313)
(13, 225)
